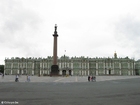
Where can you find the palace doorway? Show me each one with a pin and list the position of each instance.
(109, 72)
(69, 72)
(64, 72)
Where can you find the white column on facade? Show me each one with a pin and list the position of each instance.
(60, 65)
(67, 72)
(107, 71)
(128, 65)
(113, 72)
(60, 72)
(120, 65)
(96, 65)
(96, 72)
(21, 71)
(32, 72)
(132, 67)
(120, 68)
(88, 65)
(68, 64)
(26, 65)
(17, 71)
(88, 72)
(11, 72)
(104, 67)
(12, 65)
(40, 64)
(72, 65)
(43, 65)
(32, 65)
(40, 72)
(46, 65)
(72, 72)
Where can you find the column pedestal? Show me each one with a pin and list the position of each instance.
(54, 70)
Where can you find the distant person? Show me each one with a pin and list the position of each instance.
(3, 75)
(16, 79)
(92, 78)
(89, 78)
(29, 78)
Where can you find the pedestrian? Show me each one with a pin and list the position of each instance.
(16, 79)
(89, 78)
(29, 78)
(92, 78)
(3, 75)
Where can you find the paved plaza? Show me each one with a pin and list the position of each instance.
(72, 90)
(23, 78)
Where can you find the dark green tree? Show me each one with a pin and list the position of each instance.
(2, 68)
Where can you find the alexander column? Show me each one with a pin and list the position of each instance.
(54, 67)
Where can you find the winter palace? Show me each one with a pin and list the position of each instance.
(72, 66)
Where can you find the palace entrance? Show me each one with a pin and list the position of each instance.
(69, 72)
(66, 72)
(109, 72)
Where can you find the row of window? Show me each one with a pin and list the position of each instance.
(71, 65)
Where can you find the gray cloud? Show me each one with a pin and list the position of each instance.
(129, 27)
(18, 27)
(128, 34)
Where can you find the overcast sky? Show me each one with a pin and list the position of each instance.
(90, 28)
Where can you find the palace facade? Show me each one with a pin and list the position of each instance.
(71, 66)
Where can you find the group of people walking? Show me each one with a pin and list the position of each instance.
(91, 78)
(17, 78)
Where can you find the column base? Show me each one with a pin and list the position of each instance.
(54, 70)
